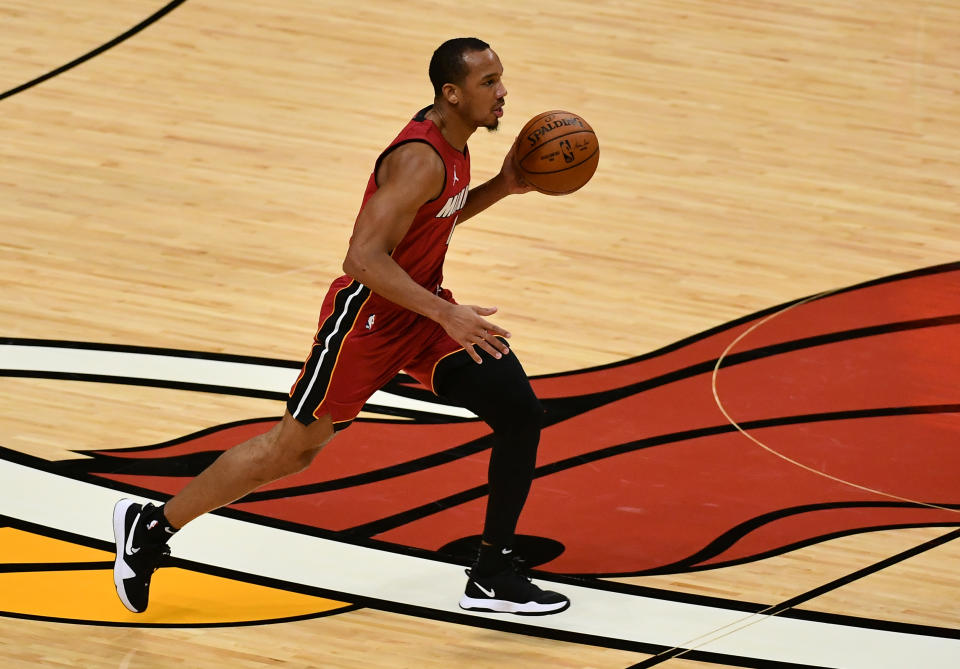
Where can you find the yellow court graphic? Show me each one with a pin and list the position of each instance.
(181, 597)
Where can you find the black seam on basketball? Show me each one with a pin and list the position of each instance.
(569, 167)
(566, 134)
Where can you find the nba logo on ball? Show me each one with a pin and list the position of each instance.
(557, 152)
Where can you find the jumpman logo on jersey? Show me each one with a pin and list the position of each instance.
(455, 179)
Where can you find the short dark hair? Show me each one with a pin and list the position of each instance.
(447, 65)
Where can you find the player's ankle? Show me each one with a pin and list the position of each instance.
(155, 526)
(492, 558)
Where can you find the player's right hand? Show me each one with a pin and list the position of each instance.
(513, 180)
(465, 323)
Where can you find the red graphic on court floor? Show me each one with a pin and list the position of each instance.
(639, 471)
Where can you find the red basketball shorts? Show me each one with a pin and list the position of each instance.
(362, 342)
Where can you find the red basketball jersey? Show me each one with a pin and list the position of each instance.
(422, 250)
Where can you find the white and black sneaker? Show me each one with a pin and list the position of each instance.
(137, 559)
(510, 591)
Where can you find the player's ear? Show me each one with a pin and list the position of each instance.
(451, 92)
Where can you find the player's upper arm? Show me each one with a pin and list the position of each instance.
(409, 176)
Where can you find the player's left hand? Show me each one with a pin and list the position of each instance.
(512, 180)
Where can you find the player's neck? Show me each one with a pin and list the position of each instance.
(451, 126)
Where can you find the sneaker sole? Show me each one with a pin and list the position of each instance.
(518, 608)
(120, 538)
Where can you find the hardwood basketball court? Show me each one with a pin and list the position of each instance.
(730, 478)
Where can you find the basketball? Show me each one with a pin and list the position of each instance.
(557, 152)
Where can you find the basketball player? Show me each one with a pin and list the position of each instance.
(388, 313)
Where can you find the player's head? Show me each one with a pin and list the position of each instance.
(466, 75)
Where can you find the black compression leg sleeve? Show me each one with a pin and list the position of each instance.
(499, 393)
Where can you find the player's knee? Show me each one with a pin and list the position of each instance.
(286, 456)
(285, 459)
(296, 445)
(520, 412)
(305, 458)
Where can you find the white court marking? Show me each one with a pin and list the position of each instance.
(37, 497)
(182, 369)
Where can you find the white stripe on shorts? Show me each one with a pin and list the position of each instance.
(326, 347)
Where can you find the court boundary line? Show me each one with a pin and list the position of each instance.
(153, 18)
(795, 601)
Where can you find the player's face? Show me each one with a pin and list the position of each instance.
(483, 90)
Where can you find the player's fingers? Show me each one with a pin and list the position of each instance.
(488, 347)
(493, 339)
(494, 329)
(484, 311)
(472, 352)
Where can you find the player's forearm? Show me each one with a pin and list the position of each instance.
(484, 196)
(381, 274)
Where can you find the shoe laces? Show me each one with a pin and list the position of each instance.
(515, 564)
(519, 566)
(164, 554)
(154, 555)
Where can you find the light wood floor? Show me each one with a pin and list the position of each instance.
(194, 188)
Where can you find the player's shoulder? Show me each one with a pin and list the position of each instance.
(412, 160)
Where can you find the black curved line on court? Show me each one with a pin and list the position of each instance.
(730, 538)
(180, 440)
(396, 520)
(153, 18)
(557, 409)
(26, 567)
(512, 625)
(243, 623)
(225, 357)
(743, 357)
(773, 552)
(893, 278)
(403, 415)
(784, 607)
(610, 586)
(562, 408)
(191, 464)
(601, 397)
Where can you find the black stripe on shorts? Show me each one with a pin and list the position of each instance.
(311, 388)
